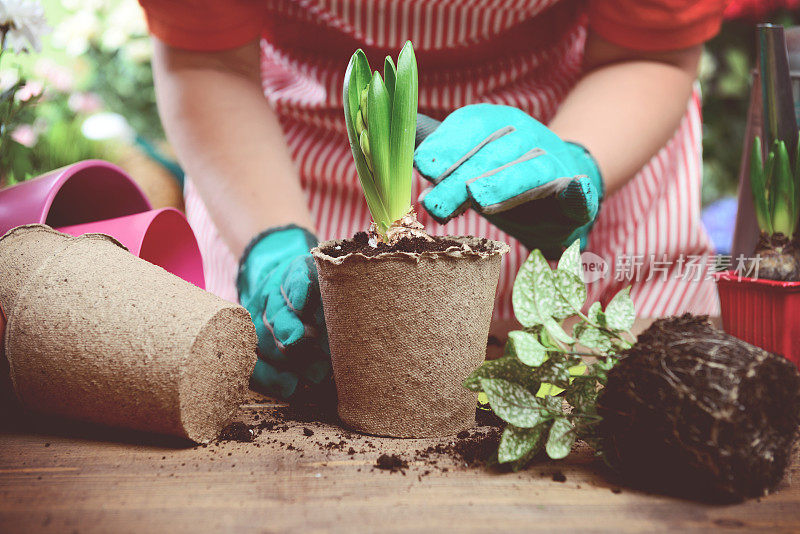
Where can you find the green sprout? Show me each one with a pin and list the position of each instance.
(775, 194)
(381, 117)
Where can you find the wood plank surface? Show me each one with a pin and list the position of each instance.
(60, 476)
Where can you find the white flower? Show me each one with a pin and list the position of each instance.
(74, 33)
(25, 23)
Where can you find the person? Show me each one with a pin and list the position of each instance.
(250, 94)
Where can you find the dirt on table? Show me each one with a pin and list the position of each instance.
(296, 427)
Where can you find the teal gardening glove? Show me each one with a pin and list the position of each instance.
(513, 170)
(278, 285)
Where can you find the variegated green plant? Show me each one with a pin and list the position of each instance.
(775, 193)
(381, 114)
(543, 365)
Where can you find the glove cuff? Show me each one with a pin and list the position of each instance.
(588, 166)
(310, 242)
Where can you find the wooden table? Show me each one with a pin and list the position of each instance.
(66, 477)
(62, 477)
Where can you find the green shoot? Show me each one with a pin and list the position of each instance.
(776, 195)
(381, 115)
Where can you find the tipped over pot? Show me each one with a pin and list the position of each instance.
(405, 330)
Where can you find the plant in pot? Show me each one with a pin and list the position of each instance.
(407, 314)
(760, 309)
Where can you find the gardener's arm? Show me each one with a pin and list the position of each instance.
(627, 105)
(228, 139)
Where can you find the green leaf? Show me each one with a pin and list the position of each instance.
(525, 460)
(620, 313)
(769, 172)
(544, 289)
(582, 394)
(572, 292)
(513, 403)
(508, 368)
(516, 443)
(378, 131)
(389, 77)
(527, 348)
(560, 439)
(593, 338)
(797, 180)
(783, 212)
(596, 315)
(403, 131)
(556, 331)
(570, 260)
(555, 371)
(759, 189)
(356, 79)
(522, 295)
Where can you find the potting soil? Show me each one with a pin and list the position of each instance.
(360, 244)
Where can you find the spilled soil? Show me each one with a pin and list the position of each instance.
(470, 448)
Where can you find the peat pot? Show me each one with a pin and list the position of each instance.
(762, 312)
(405, 330)
(96, 334)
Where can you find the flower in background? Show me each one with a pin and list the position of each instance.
(76, 32)
(25, 134)
(84, 103)
(22, 25)
(56, 76)
(8, 77)
(30, 90)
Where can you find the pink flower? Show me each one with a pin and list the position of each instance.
(84, 102)
(29, 90)
(58, 76)
(24, 134)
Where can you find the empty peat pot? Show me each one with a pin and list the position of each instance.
(405, 330)
(96, 334)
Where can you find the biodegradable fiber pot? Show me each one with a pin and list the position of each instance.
(97, 334)
(405, 330)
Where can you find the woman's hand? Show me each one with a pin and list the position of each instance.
(278, 285)
(514, 171)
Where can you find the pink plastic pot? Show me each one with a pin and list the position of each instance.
(162, 237)
(86, 191)
(764, 313)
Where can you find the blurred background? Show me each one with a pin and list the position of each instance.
(88, 93)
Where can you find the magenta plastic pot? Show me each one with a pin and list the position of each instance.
(86, 191)
(162, 237)
(762, 312)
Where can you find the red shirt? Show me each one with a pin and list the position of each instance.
(645, 25)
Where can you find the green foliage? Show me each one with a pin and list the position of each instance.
(381, 115)
(773, 186)
(125, 86)
(542, 387)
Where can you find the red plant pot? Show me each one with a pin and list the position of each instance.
(764, 313)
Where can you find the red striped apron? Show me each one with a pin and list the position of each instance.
(523, 53)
